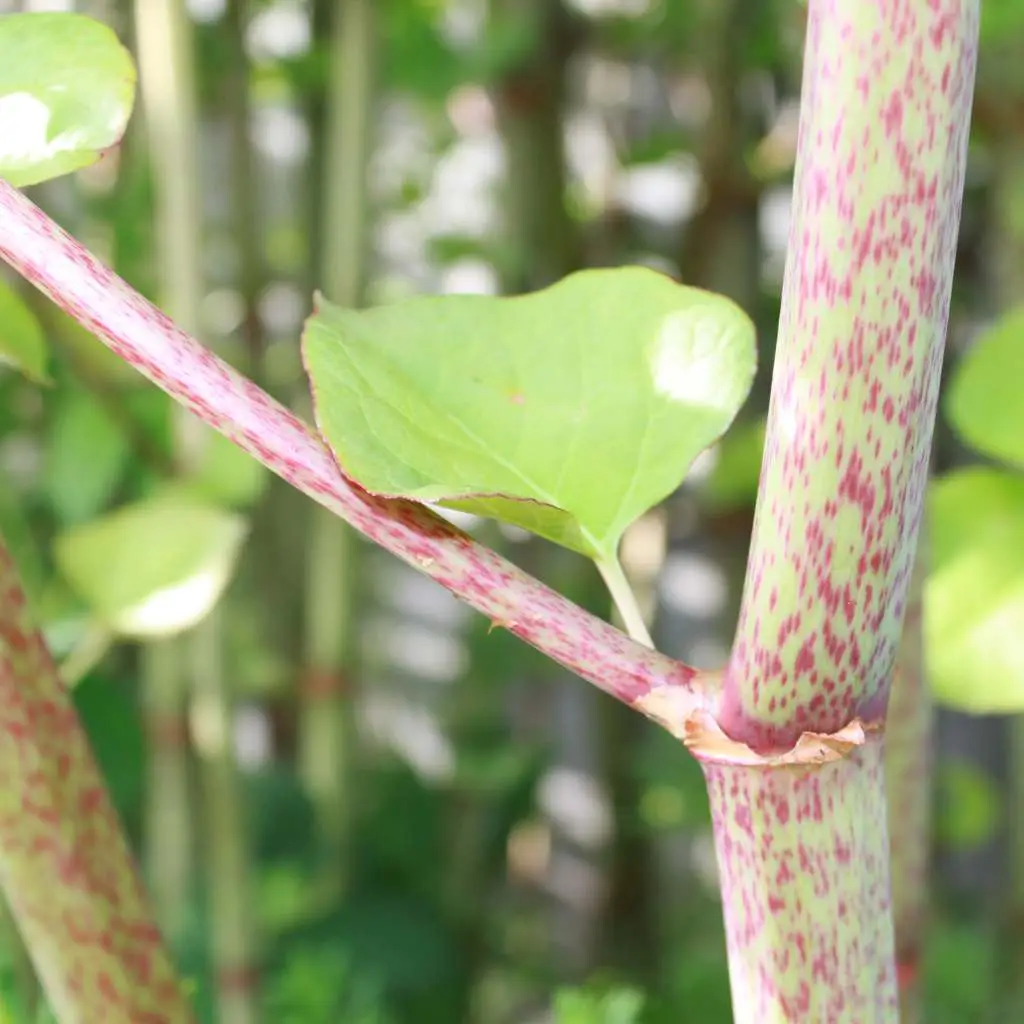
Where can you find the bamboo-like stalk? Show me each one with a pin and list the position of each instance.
(800, 830)
(544, 245)
(168, 83)
(227, 867)
(169, 118)
(326, 736)
(168, 817)
(65, 866)
(909, 731)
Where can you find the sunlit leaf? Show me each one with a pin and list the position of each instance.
(983, 402)
(579, 1006)
(67, 86)
(22, 344)
(974, 596)
(568, 412)
(153, 568)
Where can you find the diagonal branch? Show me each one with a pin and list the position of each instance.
(65, 867)
(136, 330)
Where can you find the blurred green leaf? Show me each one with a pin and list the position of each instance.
(86, 456)
(983, 402)
(568, 412)
(317, 985)
(153, 568)
(67, 87)
(974, 595)
(22, 344)
(578, 1006)
(970, 806)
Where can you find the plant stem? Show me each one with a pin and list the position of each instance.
(794, 755)
(879, 182)
(168, 77)
(325, 732)
(144, 336)
(625, 600)
(169, 117)
(168, 819)
(228, 879)
(909, 730)
(65, 867)
(803, 860)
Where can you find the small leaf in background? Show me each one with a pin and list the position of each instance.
(22, 344)
(86, 456)
(67, 86)
(983, 402)
(568, 412)
(970, 807)
(732, 483)
(974, 595)
(578, 1006)
(154, 568)
(227, 475)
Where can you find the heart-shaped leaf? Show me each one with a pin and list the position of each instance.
(66, 92)
(983, 402)
(974, 596)
(153, 568)
(22, 344)
(569, 411)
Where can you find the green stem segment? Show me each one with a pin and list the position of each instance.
(326, 736)
(625, 600)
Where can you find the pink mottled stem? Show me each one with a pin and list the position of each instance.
(136, 330)
(879, 182)
(803, 857)
(794, 760)
(65, 867)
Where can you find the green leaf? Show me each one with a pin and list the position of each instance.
(974, 596)
(153, 568)
(568, 412)
(67, 86)
(579, 1006)
(85, 458)
(22, 344)
(983, 402)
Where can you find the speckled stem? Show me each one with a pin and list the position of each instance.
(879, 181)
(909, 729)
(794, 756)
(136, 330)
(803, 857)
(65, 867)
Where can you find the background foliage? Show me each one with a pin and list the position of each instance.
(497, 842)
